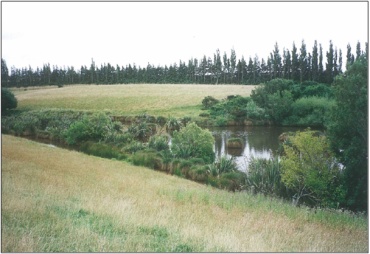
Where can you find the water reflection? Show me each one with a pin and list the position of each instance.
(259, 142)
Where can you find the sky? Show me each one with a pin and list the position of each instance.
(163, 33)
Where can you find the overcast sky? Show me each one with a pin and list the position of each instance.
(162, 33)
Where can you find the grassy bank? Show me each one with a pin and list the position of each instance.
(156, 100)
(59, 200)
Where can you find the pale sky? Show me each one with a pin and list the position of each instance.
(162, 33)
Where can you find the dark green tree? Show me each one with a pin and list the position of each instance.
(358, 50)
(8, 100)
(350, 57)
(315, 63)
(321, 67)
(4, 74)
(329, 64)
(295, 64)
(348, 131)
(303, 63)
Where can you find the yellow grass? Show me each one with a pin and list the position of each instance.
(60, 200)
(132, 99)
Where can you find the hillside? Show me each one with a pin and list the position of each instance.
(153, 99)
(56, 200)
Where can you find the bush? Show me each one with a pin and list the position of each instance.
(209, 101)
(94, 128)
(223, 165)
(8, 100)
(198, 173)
(193, 141)
(102, 150)
(148, 159)
(310, 111)
(264, 176)
(158, 143)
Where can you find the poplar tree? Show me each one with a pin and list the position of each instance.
(329, 64)
(4, 73)
(358, 50)
(315, 64)
(276, 62)
(232, 64)
(287, 63)
(350, 57)
(303, 62)
(321, 67)
(295, 64)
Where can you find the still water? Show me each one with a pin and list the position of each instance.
(259, 142)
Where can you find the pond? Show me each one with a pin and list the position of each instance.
(259, 142)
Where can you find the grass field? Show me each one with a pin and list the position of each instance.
(55, 200)
(157, 100)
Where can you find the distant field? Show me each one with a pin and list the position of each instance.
(55, 200)
(165, 100)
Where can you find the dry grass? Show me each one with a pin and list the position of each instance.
(164, 100)
(55, 200)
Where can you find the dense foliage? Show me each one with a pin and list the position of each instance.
(293, 65)
(348, 130)
(8, 100)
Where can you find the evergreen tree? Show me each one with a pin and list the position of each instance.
(232, 64)
(335, 64)
(315, 63)
(340, 62)
(226, 66)
(303, 65)
(321, 77)
(358, 50)
(349, 57)
(276, 62)
(329, 64)
(4, 73)
(287, 63)
(295, 64)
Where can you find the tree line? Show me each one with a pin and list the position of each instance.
(296, 64)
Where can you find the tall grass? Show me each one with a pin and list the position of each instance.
(55, 200)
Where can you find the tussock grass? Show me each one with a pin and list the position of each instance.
(154, 99)
(55, 200)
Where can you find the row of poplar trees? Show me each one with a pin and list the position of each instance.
(298, 65)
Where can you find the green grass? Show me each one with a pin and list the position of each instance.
(156, 100)
(55, 200)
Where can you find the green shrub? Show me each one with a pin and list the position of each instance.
(310, 111)
(102, 150)
(264, 176)
(147, 158)
(94, 127)
(223, 165)
(209, 101)
(198, 173)
(8, 100)
(134, 147)
(158, 143)
(192, 141)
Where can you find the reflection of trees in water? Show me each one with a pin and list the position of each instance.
(258, 141)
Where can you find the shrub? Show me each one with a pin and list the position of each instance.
(158, 143)
(134, 146)
(94, 127)
(198, 173)
(193, 141)
(148, 159)
(264, 176)
(310, 111)
(8, 100)
(209, 101)
(223, 165)
(102, 150)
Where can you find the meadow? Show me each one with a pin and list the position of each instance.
(129, 100)
(56, 200)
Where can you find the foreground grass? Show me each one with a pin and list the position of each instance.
(156, 100)
(55, 200)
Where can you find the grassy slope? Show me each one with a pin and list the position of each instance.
(164, 100)
(60, 200)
